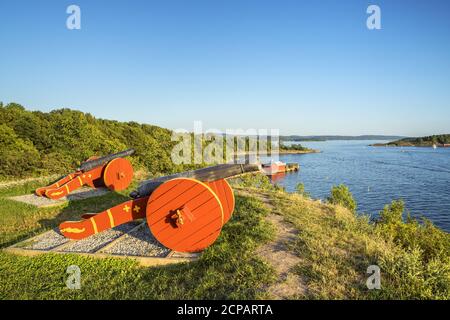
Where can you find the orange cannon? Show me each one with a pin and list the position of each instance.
(111, 171)
(185, 212)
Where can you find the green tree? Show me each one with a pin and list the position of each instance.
(392, 213)
(17, 157)
(411, 234)
(341, 195)
(64, 138)
(300, 189)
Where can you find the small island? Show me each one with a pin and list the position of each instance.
(283, 149)
(442, 140)
(296, 149)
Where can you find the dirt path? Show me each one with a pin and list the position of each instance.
(278, 254)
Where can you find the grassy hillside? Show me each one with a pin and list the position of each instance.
(335, 246)
(332, 245)
(38, 143)
(428, 141)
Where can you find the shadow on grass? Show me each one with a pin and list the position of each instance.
(74, 209)
(27, 221)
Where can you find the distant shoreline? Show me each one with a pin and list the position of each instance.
(325, 138)
(299, 151)
(436, 141)
(391, 144)
(281, 152)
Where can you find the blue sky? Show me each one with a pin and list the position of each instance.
(304, 67)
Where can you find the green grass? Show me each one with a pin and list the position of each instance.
(334, 245)
(19, 220)
(226, 270)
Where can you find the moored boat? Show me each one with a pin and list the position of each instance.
(275, 167)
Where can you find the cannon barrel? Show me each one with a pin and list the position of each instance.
(213, 173)
(91, 164)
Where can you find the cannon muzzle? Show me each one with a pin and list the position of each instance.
(208, 174)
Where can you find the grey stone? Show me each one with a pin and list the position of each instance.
(97, 241)
(46, 241)
(139, 242)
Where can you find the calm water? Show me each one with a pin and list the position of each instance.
(377, 175)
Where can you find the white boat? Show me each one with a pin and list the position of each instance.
(434, 146)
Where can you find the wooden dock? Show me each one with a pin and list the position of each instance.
(292, 167)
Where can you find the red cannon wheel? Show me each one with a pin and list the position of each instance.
(118, 174)
(185, 215)
(226, 196)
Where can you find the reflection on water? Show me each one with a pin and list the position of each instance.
(278, 177)
(376, 176)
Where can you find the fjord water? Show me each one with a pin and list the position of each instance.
(377, 175)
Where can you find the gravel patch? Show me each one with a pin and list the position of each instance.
(139, 242)
(39, 202)
(82, 193)
(45, 241)
(97, 241)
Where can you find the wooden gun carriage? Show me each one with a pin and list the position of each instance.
(111, 171)
(185, 212)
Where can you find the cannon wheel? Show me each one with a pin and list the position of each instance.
(118, 174)
(185, 215)
(225, 193)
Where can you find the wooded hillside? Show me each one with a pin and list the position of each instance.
(37, 143)
(438, 140)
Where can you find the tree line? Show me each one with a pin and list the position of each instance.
(37, 143)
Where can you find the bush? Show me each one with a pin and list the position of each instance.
(257, 180)
(392, 213)
(341, 195)
(405, 275)
(423, 269)
(300, 189)
(294, 147)
(413, 234)
(17, 157)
